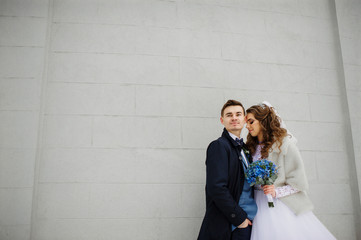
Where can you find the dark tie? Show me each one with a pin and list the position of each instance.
(240, 141)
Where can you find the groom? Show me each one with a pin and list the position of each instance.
(230, 206)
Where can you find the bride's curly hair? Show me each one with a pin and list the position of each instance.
(270, 126)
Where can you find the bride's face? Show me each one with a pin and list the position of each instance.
(253, 125)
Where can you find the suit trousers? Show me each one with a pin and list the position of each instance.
(242, 233)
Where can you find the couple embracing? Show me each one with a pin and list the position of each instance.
(237, 211)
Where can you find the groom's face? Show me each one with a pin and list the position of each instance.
(233, 118)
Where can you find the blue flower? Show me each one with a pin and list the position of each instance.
(262, 172)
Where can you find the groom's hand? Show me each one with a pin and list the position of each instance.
(245, 223)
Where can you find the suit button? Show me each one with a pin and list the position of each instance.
(233, 215)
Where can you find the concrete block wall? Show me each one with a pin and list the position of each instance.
(132, 92)
(349, 18)
(23, 27)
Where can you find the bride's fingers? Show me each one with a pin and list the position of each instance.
(268, 187)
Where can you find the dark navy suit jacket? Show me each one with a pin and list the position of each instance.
(224, 184)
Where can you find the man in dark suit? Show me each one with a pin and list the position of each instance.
(230, 207)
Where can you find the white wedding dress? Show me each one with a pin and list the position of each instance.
(280, 223)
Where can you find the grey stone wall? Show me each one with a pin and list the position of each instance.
(349, 19)
(108, 107)
(23, 27)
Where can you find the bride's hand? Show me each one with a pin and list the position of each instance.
(269, 189)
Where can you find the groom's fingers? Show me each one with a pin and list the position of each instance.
(245, 223)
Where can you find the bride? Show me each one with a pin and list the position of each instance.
(292, 216)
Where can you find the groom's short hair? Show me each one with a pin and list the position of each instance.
(231, 103)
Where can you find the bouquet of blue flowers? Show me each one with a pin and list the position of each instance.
(262, 172)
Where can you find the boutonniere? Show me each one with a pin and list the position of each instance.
(245, 150)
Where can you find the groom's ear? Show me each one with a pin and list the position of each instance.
(221, 119)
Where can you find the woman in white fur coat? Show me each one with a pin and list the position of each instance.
(292, 217)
